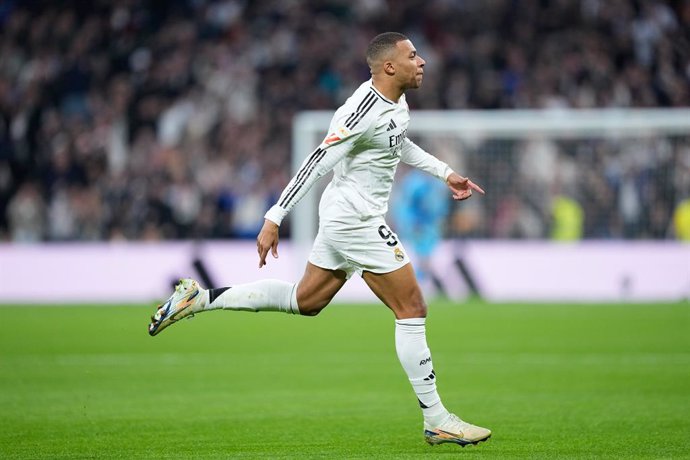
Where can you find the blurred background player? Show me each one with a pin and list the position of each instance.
(366, 141)
(420, 211)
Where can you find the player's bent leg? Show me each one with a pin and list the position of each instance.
(401, 293)
(317, 288)
(308, 297)
(190, 298)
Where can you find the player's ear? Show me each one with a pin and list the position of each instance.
(389, 68)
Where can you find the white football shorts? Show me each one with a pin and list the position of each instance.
(358, 246)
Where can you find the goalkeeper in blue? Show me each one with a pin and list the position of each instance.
(366, 140)
(420, 212)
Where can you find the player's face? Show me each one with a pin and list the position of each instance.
(409, 66)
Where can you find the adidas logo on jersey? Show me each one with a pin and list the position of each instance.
(391, 125)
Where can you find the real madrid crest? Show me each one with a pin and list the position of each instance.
(399, 255)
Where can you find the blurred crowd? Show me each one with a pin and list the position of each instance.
(154, 119)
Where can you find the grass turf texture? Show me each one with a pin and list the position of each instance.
(551, 381)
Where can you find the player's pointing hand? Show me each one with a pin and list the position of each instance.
(462, 187)
(267, 240)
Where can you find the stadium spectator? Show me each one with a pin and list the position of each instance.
(681, 221)
(567, 219)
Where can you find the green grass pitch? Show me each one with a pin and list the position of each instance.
(551, 381)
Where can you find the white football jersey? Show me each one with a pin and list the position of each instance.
(366, 140)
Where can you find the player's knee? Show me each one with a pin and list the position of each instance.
(311, 308)
(414, 307)
(310, 311)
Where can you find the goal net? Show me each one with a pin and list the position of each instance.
(548, 174)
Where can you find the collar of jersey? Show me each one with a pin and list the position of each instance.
(378, 93)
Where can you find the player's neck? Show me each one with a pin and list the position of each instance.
(390, 91)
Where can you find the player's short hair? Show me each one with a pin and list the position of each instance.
(382, 44)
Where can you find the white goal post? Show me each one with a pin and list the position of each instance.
(473, 125)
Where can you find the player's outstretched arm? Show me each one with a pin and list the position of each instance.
(267, 241)
(461, 187)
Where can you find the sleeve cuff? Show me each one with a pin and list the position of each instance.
(275, 214)
(447, 171)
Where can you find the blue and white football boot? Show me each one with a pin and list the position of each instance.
(187, 299)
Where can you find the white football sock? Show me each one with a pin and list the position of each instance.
(415, 357)
(264, 295)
